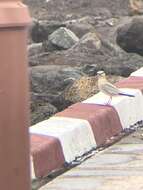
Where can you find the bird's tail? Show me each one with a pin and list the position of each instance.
(125, 94)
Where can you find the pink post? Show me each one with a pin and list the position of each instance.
(14, 98)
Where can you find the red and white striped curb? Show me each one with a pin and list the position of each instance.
(84, 126)
(130, 110)
(138, 73)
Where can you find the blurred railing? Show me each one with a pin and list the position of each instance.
(14, 98)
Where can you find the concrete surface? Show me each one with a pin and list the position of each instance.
(119, 167)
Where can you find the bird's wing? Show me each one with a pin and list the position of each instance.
(110, 89)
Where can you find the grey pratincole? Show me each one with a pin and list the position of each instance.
(108, 88)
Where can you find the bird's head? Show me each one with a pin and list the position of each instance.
(101, 74)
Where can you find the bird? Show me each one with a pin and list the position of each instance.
(108, 88)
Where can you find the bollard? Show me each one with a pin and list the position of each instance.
(14, 119)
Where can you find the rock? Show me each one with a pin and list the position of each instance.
(37, 52)
(89, 70)
(84, 8)
(111, 21)
(34, 49)
(80, 29)
(136, 7)
(92, 49)
(61, 10)
(43, 78)
(130, 36)
(108, 57)
(49, 75)
(49, 82)
(42, 112)
(92, 39)
(47, 58)
(83, 20)
(40, 30)
(63, 38)
(58, 100)
(104, 8)
(81, 89)
(89, 44)
(84, 88)
(68, 76)
(102, 12)
(49, 47)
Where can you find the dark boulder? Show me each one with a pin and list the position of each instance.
(40, 30)
(130, 36)
(49, 82)
(42, 112)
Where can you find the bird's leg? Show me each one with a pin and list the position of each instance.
(109, 101)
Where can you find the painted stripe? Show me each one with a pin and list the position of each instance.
(104, 120)
(130, 110)
(131, 82)
(75, 135)
(46, 155)
(138, 73)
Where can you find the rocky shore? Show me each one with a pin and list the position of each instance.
(69, 41)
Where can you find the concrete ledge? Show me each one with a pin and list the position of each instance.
(117, 167)
(84, 126)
